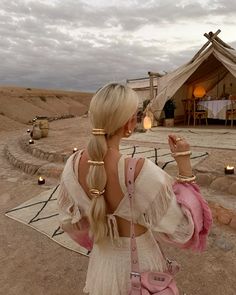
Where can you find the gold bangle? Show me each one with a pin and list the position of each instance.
(96, 163)
(96, 193)
(177, 154)
(186, 179)
(184, 176)
(178, 139)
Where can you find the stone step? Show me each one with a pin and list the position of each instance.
(51, 169)
(28, 163)
(37, 152)
(223, 206)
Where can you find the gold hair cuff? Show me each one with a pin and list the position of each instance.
(178, 139)
(96, 193)
(96, 163)
(97, 131)
(181, 178)
(177, 154)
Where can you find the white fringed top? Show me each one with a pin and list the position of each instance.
(155, 204)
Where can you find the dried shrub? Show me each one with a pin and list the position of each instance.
(43, 98)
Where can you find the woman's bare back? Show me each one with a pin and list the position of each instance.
(113, 193)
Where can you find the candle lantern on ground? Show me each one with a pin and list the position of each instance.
(229, 169)
(147, 121)
(41, 180)
(75, 149)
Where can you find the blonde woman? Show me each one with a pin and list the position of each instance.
(93, 192)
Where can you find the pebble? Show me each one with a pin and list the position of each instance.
(5, 198)
(223, 244)
(233, 222)
(232, 189)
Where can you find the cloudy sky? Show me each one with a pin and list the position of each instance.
(83, 44)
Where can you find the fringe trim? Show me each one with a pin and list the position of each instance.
(67, 206)
(158, 207)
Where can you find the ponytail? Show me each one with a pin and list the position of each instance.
(96, 179)
(110, 108)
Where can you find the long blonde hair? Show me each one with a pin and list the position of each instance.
(110, 108)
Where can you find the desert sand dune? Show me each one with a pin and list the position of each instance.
(21, 105)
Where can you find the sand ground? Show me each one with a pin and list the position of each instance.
(33, 264)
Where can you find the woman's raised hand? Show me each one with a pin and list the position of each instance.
(180, 150)
(178, 144)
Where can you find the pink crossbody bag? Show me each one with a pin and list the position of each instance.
(148, 282)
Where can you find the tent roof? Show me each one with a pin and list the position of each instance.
(210, 65)
(217, 57)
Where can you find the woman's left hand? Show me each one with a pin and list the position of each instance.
(178, 144)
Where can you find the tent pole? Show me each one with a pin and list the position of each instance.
(152, 75)
(223, 43)
(151, 95)
(210, 38)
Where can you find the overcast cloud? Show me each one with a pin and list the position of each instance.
(81, 45)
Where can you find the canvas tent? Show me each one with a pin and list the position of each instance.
(145, 87)
(213, 67)
(142, 87)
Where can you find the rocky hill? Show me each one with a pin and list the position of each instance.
(19, 106)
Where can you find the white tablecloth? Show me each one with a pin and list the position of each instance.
(216, 109)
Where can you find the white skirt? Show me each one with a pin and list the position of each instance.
(109, 265)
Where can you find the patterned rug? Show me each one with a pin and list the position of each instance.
(41, 213)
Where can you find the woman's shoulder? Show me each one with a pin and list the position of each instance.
(150, 172)
(72, 161)
(139, 167)
(150, 180)
(153, 188)
(147, 172)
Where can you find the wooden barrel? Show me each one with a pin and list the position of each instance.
(43, 125)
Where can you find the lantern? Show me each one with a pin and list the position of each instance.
(147, 122)
(41, 180)
(199, 91)
(229, 169)
(75, 149)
